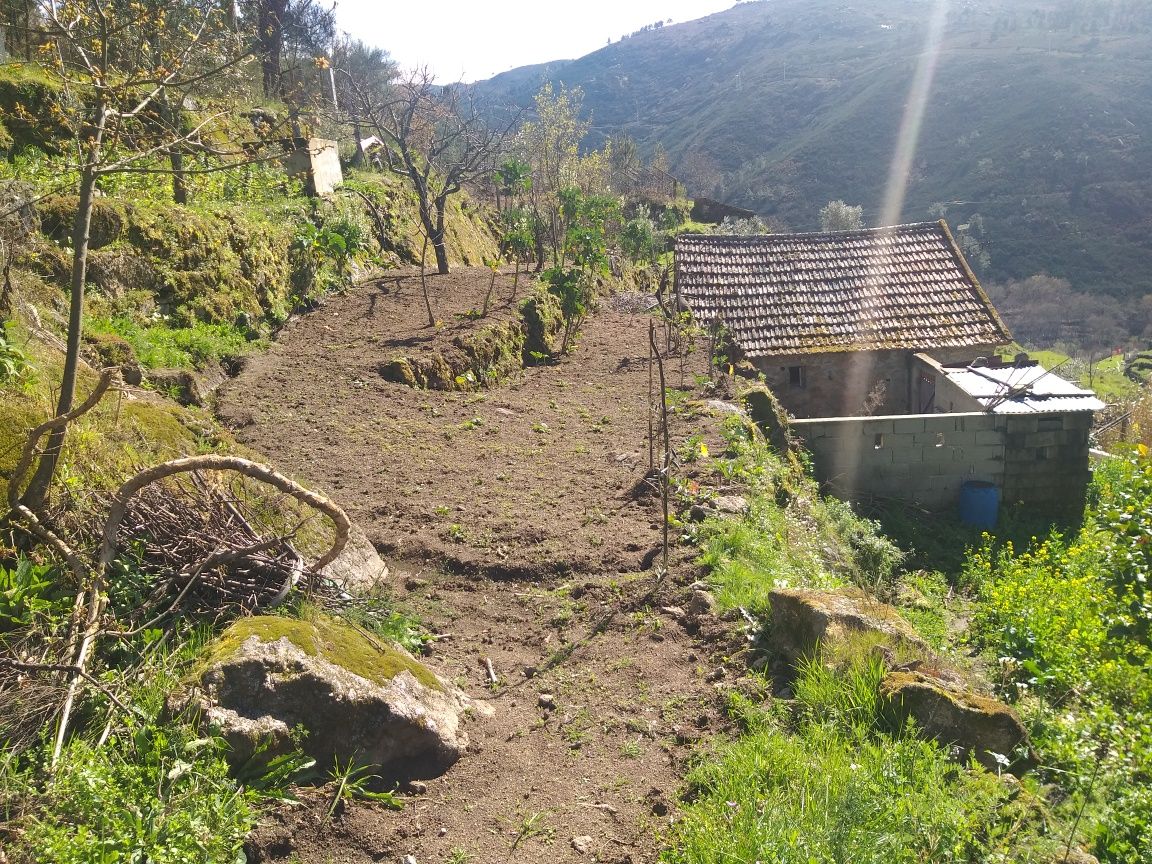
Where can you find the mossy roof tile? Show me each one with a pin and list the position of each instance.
(907, 286)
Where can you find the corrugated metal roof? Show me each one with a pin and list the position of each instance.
(907, 287)
(1021, 389)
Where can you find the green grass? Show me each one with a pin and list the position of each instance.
(155, 790)
(792, 536)
(830, 787)
(161, 345)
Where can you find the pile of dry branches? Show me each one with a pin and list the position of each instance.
(195, 547)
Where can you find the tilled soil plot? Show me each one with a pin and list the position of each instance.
(541, 474)
(520, 530)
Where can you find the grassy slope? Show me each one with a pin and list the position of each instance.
(1033, 125)
(823, 777)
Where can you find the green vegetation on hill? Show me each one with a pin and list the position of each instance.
(1031, 136)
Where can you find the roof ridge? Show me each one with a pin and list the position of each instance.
(809, 235)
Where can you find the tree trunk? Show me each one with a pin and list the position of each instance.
(440, 247)
(424, 282)
(179, 186)
(436, 234)
(270, 22)
(172, 118)
(37, 492)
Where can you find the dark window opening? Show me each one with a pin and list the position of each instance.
(796, 377)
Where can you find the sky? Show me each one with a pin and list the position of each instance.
(469, 40)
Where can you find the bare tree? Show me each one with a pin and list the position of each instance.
(439, 141)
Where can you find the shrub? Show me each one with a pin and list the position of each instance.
(1043, 611)
(13, 362)
(161, 345)
(152, 793)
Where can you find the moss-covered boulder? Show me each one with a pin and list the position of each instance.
(108, 349)
(28, 97)
(974, 724)
(398, 370)
(543, 326)
(804, 621)
(471, 360)
(58, 213)
(354, 696)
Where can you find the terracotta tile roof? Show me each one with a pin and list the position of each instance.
(902, 287)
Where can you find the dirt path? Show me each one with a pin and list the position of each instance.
(514, 526)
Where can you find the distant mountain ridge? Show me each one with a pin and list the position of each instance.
(1037, 134)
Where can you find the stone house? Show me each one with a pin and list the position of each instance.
(1011, 424)
(834, 320)
(882, 344)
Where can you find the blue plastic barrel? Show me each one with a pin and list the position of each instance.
(979, 503)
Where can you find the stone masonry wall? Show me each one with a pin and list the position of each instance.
(837, 383)
(1039, 460)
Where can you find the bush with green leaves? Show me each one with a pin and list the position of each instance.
(638, 237)
(13, 362)
(31, 595)
(1123, 513)
(151, 793)
(1067, 622)
(326, 248)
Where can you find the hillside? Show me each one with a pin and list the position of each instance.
(1036, 122)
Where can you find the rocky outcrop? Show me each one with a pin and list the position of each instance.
(358, 567)
(354, 697)
(975, 724)
(803, 620)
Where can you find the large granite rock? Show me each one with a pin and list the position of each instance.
(359, 566)
(804, 620)
(977, 725)
(356, 697)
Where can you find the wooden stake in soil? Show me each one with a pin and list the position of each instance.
(666, 456)
(651, 438)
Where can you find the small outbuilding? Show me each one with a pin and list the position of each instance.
(882, 344)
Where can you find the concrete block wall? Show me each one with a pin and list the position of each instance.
(1037, 459)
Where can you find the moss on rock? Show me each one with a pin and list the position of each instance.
(398, 370)
(472, 360)
(543, 325)
(330, 639)
(767, 413)
(112, 350)
(983, 727)
(58, 213)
